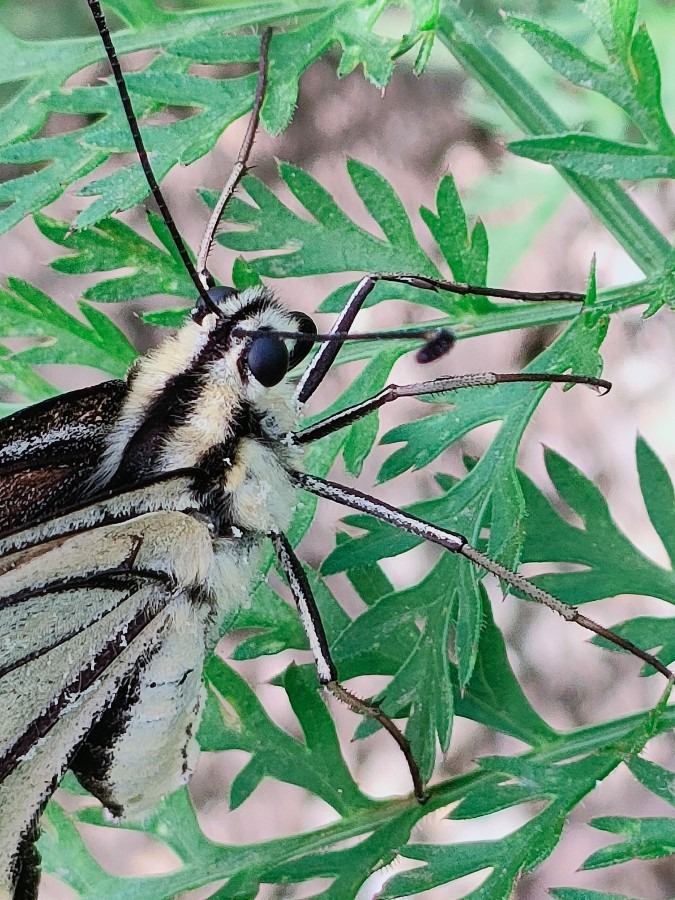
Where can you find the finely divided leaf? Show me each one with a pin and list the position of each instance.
(648, 838)
(60, 337)
(197, 36)
(611, 563)
(564, 786)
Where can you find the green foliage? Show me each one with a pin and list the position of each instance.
(630, 77)
(588, 546)
(403, 634)
(62, 339)
(562, 786)
(644, 838)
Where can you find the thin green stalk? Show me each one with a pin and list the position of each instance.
(639, 237)
(227, 861)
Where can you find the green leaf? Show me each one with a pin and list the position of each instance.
(288, 59)
(113, 245)
(422, 31)
(61, 338)
(471, 46)
(386, 640)
(16, 377)
(522, 850)
(611, 564)
(652, 838)
(464, 251)
(316, 764)
(566, 58)
(614, 21)
(362, 47)
(647, 88)
(421, 686)
(275, 624)
(493, 695)
(334, 243)
(61, 840)
(597, 157)
(659, 495)
(656, 779)
(349, 867)
(585, 894)
(656, 633)
(631, 79)
(490, 484)
(313, 249)
(186, 37)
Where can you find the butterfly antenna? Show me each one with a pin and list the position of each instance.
(134, 128)
(241, 165)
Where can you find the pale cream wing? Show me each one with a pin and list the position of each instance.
(79, 616)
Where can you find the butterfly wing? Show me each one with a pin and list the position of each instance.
(48, 451)
(104, 621)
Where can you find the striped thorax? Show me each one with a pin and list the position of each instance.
(160, 548)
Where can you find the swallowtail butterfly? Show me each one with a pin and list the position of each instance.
(133, 516)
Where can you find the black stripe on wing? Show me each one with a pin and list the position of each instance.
(88, 675)
(111, 589)
(48, 451)
(172, 492)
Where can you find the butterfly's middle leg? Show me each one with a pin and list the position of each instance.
(325, 667)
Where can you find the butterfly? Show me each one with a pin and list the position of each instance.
(132, 518)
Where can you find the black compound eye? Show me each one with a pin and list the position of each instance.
(268, 360)
(302, 346)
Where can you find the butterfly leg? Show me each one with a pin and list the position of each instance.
(457, 543)
(321, 363)
(325, 667)
(441, 385)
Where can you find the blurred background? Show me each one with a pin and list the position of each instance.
(541, 238)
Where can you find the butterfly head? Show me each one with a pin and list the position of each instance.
(268, 340)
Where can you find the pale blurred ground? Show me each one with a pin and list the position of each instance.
(413, 134)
